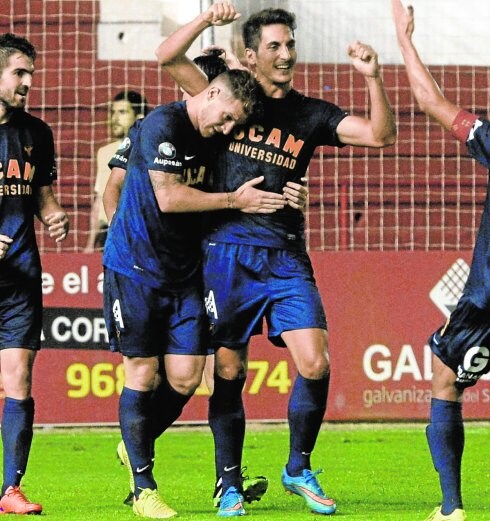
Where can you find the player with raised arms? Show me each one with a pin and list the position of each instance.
(461, 347)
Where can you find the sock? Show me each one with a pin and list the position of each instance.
(17, 421)
(306, 409)
(167, 405)
(227, 422)
(445, 435)
(135, 421)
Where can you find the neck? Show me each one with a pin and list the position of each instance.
(275, 90)
(5, 113)
(191, 106)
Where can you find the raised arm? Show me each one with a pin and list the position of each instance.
(379, 130)
(171, 52)
(425, 89)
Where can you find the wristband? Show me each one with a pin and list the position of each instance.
(462, 125)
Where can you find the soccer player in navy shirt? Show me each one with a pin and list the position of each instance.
(27, 171)
(153, 301)
(258, 268)
(461, 347)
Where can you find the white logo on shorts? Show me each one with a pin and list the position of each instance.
(210, 304)
(116, 312)
(446, 293)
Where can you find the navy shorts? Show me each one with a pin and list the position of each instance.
(143, 321)
(463, 343)
(21, 316)
(243, 284)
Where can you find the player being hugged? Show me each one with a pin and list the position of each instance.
(256, 267)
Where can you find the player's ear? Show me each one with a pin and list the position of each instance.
(213, 92)
(251, 56)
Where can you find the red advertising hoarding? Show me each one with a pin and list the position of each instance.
(381, 308)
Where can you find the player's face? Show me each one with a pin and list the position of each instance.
(276, 56)
(122, 117)
(15, 81)
(220, 114)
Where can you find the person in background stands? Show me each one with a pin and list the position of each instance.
(27, 171)
(461, 347)
(126, 107)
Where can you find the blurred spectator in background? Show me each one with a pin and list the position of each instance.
(126, 108)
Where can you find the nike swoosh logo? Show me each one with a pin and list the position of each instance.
(188, 158)
(142, 469)
(228, 469)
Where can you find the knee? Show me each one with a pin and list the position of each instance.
(187, 385)
(141, 374)
(314, 368)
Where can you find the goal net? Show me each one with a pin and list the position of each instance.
(422, 193)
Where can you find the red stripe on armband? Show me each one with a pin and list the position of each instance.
(462, 125)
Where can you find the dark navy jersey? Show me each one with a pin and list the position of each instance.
(27, 162)
(479, 142)
(478, 284)
(157, 248)
(280, 148)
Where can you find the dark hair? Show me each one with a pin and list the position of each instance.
(243, 87)
(138, 102)
(212, 64)
(11, 44)
(252, 28)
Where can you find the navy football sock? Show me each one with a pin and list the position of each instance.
(167, 406)
(445, 435)
(17, 420)
(135, 421)
(227, 422)
(306, 409)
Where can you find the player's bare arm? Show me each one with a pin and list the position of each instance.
(171, 52)
(425, 89)
(379, 130)
(52, 215)
(174, 196)
(5, 242)
(112, 191)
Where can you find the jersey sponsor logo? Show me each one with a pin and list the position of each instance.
(167, 162)
(120, 158)
(167, 150)
(117, 314)
(276, 138)
(210, 304)
(125, 144)
(194, 176)
(278, 159)
(476, 362)
(12, 170)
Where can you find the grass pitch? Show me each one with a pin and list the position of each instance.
(375, 472)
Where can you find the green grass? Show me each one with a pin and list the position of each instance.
(376, 473)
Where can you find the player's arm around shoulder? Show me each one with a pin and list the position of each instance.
(173, 196)
(52, 214)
